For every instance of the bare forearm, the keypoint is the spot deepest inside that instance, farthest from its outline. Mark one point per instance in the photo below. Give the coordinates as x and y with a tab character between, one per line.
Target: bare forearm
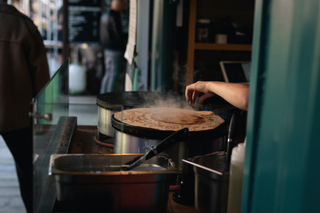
235	94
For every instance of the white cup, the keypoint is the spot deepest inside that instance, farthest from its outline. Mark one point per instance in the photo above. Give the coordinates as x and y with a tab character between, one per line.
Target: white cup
221	39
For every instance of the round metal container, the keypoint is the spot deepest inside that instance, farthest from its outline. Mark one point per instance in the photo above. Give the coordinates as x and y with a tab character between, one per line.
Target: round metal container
132	139
109	103
104	122
211	182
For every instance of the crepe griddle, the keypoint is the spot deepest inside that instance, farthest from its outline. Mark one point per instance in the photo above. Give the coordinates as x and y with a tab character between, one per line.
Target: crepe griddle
156	134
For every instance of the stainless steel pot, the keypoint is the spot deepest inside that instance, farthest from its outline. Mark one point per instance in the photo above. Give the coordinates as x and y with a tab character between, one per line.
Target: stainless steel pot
104	123
98	180
211	182
109	103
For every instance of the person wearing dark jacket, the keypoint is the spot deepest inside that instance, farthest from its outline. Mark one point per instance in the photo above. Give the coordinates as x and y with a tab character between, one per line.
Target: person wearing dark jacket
24	72
112	39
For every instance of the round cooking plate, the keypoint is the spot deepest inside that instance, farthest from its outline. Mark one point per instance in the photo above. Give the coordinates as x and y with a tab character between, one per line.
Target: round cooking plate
148	129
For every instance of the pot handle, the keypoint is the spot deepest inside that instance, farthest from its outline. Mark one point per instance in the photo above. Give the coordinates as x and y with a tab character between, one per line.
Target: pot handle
166	143
170	140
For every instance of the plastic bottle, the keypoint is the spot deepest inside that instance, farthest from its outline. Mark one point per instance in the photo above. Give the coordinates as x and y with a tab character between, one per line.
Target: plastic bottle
77	75
77	78
235	179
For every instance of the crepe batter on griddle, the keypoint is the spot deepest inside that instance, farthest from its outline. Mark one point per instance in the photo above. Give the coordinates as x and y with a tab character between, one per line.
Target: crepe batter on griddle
169	119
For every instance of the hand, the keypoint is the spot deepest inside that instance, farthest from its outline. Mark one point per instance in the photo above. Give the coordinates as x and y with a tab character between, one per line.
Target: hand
234	93
193	90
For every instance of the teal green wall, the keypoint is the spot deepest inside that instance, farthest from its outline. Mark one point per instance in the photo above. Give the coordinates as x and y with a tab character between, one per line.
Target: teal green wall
164	21
282	171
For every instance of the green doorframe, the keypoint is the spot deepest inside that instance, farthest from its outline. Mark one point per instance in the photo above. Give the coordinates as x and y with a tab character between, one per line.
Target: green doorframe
282	172
164	20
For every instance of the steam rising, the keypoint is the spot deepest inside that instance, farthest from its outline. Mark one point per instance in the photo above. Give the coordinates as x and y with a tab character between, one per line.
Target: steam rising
169	100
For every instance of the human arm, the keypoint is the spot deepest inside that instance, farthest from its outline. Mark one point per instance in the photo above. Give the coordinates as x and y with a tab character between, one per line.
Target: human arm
234	93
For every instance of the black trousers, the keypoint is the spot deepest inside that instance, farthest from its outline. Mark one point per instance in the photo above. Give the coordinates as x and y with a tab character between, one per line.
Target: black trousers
20	144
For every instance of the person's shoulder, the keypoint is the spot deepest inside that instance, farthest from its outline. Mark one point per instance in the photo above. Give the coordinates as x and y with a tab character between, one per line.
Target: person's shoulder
20	19
11	10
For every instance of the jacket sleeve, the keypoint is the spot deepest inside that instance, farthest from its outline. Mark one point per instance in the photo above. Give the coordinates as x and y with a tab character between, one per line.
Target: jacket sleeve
111	31
39	63
116	25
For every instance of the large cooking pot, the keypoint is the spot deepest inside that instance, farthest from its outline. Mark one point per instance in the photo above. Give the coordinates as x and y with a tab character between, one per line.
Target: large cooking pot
211	182
109	103
134	139
97	183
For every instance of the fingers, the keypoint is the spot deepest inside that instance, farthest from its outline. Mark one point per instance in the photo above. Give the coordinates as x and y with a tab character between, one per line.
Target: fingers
192	92
194	97
188	94
191	95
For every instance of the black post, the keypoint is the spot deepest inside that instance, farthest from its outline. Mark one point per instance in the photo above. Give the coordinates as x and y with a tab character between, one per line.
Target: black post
65	31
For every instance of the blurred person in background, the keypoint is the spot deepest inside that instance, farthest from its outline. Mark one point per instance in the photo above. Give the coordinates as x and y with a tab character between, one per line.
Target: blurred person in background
113	41
24	72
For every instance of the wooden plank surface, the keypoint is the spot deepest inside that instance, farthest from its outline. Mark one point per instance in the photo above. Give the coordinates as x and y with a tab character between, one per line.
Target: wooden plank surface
191	41
226	47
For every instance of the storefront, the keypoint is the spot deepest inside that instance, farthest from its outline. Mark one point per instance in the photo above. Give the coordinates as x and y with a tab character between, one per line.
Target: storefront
280	169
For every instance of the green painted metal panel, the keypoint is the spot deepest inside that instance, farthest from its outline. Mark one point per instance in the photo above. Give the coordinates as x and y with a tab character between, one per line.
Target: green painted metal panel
164	15
282	169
